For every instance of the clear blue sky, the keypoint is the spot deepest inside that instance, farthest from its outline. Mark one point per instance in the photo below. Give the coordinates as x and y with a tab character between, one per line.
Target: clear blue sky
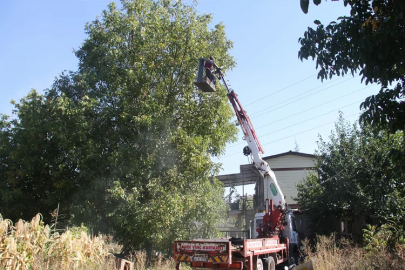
37	39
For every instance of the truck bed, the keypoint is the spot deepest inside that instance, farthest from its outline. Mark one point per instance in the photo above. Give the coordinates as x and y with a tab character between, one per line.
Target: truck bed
222	254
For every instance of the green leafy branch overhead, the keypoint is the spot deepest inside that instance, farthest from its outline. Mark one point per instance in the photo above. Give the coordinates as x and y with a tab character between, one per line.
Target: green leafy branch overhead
370	42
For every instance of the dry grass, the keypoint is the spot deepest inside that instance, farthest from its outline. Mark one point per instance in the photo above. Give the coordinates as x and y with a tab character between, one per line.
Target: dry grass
31	245
159	263
328	253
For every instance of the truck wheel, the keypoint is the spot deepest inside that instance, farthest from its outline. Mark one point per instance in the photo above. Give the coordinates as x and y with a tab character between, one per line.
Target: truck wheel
270	264
259	264
178	266
294	254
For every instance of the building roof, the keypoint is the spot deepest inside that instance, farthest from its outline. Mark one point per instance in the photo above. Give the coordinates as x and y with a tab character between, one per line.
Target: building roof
248	173
290	153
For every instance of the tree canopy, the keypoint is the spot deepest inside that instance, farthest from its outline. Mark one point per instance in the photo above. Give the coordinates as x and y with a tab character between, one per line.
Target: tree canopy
358	180
371	41
124	144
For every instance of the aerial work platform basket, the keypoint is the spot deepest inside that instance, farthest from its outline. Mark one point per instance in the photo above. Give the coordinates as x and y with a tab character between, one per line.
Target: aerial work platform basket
203	82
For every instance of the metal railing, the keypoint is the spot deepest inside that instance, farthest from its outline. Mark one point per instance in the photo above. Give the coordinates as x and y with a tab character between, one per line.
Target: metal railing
236	234
242	205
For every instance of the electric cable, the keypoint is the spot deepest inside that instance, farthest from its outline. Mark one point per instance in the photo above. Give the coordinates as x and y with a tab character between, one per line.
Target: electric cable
307	120
271	110
294	134
280	90
286	185
315	107
310	90
233	145
308	130
331	178
356	102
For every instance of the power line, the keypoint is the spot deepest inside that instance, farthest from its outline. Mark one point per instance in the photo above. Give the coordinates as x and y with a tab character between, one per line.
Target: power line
281	183
337	79
331	178
306	111
294	134
303	121
281	90
309	119
351	93
308	130
300	98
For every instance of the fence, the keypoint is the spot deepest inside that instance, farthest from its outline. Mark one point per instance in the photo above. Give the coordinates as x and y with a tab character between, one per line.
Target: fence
236	234
242	205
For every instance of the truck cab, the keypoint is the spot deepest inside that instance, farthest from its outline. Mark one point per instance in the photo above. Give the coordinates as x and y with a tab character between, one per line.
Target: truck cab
290	232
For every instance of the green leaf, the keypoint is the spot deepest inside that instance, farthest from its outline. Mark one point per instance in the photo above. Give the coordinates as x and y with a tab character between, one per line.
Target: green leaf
375	58
304	5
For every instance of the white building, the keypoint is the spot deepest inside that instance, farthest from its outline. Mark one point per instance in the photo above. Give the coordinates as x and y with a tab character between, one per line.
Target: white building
289	167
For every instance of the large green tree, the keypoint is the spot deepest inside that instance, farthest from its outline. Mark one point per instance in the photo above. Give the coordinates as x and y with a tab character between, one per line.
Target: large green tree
358	179
371	42
128	133
38	163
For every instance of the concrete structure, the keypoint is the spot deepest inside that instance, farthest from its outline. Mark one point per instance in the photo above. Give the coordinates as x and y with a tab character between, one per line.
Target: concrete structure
289	167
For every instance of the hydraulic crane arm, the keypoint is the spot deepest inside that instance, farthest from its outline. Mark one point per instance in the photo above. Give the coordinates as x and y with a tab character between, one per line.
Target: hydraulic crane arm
271	187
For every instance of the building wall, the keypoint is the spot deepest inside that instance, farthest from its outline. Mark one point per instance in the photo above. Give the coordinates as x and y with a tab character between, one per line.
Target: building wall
290	161
290	170
287	181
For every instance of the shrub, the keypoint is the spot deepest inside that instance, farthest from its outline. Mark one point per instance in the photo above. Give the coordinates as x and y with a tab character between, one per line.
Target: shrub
32	245
328	252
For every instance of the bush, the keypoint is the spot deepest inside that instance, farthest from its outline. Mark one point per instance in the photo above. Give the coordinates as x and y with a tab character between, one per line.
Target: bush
32	245
328	252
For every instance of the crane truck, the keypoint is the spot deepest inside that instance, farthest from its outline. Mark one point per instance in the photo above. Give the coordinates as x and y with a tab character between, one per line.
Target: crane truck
275	238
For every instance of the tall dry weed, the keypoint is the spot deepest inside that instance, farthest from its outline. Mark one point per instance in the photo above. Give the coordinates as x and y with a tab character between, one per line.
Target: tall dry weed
158	263
31	245
329	253
164	264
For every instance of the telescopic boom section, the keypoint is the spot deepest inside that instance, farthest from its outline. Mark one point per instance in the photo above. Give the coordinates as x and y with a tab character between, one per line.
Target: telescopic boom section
244	120
271	188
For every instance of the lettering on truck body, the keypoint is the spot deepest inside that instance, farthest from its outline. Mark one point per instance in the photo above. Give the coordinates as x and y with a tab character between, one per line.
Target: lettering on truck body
252	244
201	247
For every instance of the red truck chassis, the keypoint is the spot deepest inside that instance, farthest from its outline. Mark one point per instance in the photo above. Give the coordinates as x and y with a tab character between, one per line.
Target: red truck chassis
222	254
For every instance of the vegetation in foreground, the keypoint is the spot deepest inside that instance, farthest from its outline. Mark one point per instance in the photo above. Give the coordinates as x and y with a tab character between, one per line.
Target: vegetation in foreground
360	179
361	170
329	253
34	245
